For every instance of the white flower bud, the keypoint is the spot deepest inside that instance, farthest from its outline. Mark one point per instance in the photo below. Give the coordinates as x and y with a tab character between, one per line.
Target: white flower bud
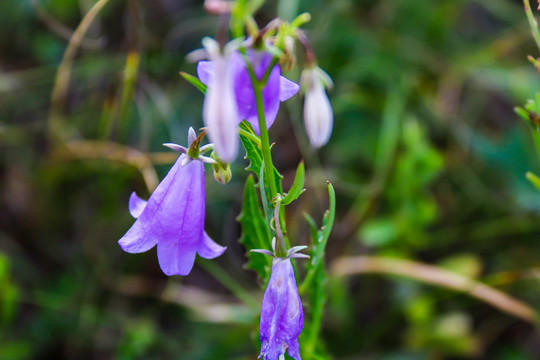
318	115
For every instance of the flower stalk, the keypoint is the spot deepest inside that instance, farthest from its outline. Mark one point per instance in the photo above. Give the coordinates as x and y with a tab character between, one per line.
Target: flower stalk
265	141
532	22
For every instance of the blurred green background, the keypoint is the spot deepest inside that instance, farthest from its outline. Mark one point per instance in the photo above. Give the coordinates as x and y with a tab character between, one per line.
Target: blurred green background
427	157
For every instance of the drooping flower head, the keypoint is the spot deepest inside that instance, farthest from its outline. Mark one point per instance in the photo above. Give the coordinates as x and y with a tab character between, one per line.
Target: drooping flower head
220	112
282	318
277	88
173	216
318	115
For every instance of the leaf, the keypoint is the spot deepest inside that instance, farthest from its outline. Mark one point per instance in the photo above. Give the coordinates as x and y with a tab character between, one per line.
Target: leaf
194	81
297	187
319	242
255	233
535	180
254	155
524	114
311	344
315	282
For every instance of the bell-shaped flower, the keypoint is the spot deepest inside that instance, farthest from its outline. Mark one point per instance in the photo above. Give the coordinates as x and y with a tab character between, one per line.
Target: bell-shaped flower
318	115
282	318
220	113
277	87
173	217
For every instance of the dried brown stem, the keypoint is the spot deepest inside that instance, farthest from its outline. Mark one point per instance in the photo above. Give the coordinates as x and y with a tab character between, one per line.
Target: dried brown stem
63	74
95	150
430	274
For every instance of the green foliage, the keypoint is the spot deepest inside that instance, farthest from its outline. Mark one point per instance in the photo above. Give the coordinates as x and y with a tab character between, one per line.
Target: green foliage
254	154
253	151
417	165
9	293
297	187
194	81
535	180
319	239
255	234
139	335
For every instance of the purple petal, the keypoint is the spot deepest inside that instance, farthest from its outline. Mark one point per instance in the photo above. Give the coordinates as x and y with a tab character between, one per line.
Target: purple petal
220	113
245	96
181	219
173	216
282	318
287	88
142	235
136	205
175	259
208	249
205	70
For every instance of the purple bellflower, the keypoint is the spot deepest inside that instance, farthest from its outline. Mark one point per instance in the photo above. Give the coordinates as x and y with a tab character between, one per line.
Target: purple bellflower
173	217
277	88
282	318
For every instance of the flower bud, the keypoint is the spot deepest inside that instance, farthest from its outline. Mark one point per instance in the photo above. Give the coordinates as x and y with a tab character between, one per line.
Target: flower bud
222	172
318	115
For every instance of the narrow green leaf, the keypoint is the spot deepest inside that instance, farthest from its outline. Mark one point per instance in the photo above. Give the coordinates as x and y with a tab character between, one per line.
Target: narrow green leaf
194	81
312	226
255	233
311	344
535	180
524	114
297	187
319	242
254	153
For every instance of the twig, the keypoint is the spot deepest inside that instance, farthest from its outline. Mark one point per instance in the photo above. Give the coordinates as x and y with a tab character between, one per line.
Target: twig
63	74
60	29
94	149
436	276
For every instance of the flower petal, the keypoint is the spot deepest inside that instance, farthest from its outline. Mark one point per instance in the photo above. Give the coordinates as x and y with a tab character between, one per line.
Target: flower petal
181	220
136	205
318	115
294	349
287	88
282	318
209	249
245	96
175	259
142	236
220	114
205	70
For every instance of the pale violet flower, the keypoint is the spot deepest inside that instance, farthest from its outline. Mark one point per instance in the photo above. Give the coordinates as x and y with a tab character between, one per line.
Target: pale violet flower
220	113
277	88
318	115
282	317
173	216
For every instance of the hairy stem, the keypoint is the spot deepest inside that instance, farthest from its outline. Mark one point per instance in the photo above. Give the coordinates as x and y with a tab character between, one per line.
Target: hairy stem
532	22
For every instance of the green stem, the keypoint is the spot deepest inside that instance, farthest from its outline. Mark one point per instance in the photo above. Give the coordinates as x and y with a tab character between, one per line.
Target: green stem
230	283
536	138
249	135
532	22
264	79
265	142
